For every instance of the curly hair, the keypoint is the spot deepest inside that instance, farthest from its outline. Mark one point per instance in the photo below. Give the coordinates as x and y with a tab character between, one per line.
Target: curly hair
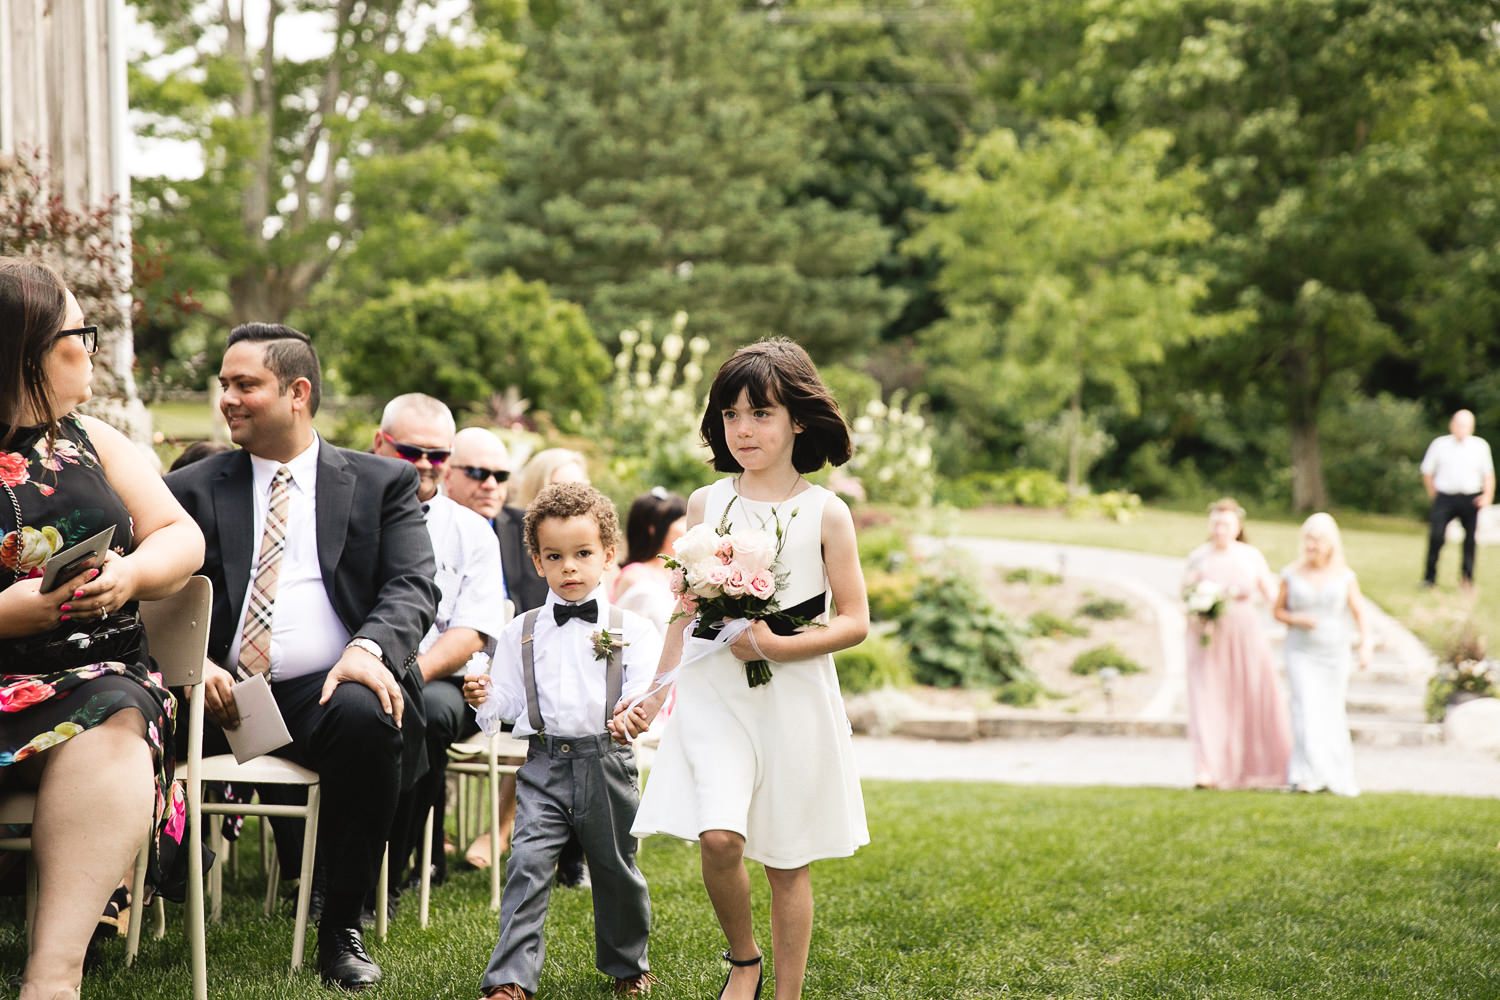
565	500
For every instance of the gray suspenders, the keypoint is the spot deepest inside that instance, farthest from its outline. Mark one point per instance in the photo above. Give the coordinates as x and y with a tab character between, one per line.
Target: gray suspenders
614	674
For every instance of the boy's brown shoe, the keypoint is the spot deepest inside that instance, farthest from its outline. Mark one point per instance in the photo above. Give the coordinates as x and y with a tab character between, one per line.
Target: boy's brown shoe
635	986
509	991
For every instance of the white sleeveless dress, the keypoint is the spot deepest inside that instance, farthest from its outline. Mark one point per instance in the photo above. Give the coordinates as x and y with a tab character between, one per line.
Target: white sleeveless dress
774	763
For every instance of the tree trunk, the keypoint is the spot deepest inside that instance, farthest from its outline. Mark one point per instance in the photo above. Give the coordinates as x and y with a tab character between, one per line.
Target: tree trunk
1075	434
1304	403
1308	490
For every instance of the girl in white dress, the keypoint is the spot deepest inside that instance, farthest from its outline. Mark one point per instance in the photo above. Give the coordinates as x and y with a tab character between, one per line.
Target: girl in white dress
1319	596
766	772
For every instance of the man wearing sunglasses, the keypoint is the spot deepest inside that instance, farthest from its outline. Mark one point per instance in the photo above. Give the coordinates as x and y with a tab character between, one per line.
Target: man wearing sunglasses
478	476
418	429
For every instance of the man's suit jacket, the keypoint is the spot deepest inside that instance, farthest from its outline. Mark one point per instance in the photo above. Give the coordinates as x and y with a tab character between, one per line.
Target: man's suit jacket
373	549
527	587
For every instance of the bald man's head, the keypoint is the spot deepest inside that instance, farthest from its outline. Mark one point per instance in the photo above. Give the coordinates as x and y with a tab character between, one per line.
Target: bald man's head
1462	424
478	452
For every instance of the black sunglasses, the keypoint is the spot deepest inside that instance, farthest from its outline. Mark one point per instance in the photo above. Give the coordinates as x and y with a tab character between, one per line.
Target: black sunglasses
90	335
479	473
413	453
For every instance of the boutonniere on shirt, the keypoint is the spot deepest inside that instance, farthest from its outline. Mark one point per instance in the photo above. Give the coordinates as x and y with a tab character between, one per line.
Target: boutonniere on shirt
605	640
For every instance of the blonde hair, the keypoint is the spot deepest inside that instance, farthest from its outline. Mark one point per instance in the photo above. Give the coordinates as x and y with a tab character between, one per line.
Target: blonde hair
1321	526
537	474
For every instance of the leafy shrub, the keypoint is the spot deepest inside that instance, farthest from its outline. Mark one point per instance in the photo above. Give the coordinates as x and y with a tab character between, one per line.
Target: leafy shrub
878	662
1104	609
1032	575
653	408
1477	677
957	637
1030	488
893	452
1022	693
1045	623
883	548
461	340
1107	655
1116	505
1464	670
889	594
1014	487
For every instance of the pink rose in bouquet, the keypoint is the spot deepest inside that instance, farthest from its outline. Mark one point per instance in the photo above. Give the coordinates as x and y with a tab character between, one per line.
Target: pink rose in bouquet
728	576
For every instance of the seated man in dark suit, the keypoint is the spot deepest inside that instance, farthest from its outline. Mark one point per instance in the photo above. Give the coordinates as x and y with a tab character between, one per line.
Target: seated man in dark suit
323	579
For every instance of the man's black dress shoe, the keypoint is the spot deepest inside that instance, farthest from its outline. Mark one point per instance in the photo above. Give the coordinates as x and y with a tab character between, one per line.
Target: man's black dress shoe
343	961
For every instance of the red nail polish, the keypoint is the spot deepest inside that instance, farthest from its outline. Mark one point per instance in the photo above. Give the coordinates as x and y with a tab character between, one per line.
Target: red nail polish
66	607
77	593
64	618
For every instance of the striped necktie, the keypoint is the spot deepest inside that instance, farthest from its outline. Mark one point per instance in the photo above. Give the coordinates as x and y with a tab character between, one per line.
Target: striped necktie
255	640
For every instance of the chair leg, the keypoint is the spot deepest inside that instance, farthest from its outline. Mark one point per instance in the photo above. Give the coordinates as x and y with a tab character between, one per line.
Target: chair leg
265	845
494	790
380	892
304	887
216	874
138	900
425	892
272	877
461	812
194	917
159	907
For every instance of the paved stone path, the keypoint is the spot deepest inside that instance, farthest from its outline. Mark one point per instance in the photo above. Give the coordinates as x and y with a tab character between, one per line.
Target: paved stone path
1388	695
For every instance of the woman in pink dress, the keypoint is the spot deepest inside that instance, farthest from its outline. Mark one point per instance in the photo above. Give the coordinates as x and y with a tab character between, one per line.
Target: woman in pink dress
1237	717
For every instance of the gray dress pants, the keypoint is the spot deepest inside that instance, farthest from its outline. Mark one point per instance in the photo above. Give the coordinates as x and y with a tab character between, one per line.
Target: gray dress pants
586	784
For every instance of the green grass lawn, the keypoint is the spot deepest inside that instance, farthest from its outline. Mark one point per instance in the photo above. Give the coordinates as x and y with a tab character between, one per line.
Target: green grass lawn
1387	553
983	891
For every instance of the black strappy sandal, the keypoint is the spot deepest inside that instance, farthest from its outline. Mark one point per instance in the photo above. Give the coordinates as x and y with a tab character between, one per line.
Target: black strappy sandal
760	980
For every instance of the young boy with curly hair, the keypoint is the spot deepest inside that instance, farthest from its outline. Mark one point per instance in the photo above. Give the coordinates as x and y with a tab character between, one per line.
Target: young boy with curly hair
560	672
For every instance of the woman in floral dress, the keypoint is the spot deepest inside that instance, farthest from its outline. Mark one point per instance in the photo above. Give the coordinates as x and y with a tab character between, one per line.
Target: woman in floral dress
101	771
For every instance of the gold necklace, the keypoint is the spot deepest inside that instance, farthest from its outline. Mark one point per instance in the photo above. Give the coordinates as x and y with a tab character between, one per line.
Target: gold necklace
795	482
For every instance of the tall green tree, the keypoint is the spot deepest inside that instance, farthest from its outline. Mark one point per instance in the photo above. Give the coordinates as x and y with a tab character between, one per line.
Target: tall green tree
901	85
653	156
302	143
1282	103
1066	267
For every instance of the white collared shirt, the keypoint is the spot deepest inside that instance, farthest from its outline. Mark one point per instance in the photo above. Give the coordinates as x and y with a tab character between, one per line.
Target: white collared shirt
306	634
1458	466
569	679
469	578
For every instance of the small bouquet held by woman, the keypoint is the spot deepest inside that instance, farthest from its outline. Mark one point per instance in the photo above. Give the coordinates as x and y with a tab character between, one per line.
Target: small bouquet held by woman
1206	600
722	575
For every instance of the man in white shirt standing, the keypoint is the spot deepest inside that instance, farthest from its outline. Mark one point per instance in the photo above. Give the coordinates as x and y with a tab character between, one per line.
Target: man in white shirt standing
417	428
1458	472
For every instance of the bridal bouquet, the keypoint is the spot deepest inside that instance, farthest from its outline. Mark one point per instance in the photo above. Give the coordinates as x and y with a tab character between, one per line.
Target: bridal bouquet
1206	600
728	575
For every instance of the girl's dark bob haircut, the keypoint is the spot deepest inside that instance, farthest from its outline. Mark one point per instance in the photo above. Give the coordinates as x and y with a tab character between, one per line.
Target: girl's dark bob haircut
779	371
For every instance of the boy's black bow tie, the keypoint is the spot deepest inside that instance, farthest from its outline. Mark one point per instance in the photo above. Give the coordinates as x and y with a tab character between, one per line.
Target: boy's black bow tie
588	611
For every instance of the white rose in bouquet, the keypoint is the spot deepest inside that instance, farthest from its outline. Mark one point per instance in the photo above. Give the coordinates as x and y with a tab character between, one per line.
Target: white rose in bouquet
697	544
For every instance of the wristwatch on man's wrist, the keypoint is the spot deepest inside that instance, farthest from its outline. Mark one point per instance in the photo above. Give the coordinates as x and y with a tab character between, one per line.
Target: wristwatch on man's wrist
368	645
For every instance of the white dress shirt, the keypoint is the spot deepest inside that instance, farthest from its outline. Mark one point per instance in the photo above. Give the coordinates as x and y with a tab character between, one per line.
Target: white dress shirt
306	634
1458	466
569	679
469	578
